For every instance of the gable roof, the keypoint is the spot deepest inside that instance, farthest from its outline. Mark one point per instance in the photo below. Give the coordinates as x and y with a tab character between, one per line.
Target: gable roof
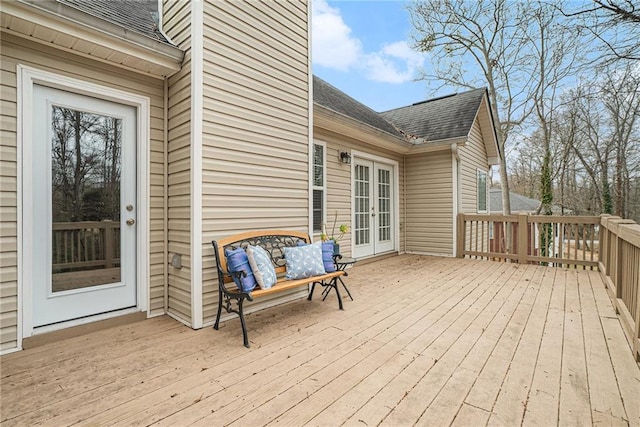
440	118
334	99
136	15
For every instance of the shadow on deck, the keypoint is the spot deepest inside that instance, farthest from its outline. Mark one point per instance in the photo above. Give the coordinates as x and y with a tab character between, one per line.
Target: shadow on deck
432	341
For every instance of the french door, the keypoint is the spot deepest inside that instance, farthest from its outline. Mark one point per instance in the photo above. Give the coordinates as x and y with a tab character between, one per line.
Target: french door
374	201
80	193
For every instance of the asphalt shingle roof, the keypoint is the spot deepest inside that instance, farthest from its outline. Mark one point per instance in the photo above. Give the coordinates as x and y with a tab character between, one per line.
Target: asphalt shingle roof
334	99
135	15
440	118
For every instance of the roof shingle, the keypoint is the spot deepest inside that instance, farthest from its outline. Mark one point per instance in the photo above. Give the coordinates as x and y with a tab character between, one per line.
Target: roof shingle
334	99
441	118
135	15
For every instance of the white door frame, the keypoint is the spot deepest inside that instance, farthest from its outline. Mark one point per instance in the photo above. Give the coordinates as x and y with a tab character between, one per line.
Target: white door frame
396	192
27	77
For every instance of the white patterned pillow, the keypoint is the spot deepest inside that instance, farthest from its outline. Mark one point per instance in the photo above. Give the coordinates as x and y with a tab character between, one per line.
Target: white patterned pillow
261	265
304	261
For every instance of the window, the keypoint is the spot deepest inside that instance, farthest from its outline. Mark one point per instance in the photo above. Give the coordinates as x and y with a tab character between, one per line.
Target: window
318	186
481	196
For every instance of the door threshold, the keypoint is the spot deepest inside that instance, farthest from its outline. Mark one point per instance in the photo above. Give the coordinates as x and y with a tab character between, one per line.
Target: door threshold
74	328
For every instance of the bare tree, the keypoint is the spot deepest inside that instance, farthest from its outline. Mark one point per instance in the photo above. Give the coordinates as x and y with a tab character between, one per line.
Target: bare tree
463	36
614	24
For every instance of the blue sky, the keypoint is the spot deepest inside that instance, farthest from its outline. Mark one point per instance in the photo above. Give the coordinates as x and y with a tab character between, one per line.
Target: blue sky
362	47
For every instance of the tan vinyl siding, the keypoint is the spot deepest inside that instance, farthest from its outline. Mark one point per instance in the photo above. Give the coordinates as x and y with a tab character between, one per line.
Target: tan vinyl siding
429	203
255	154
339	182
473	156
8	208
177	25
19	51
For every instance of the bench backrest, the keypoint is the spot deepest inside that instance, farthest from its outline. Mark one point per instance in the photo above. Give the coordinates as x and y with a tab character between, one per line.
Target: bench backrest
273	241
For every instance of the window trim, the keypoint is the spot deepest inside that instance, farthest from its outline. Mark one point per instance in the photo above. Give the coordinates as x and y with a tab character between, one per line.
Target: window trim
322	188
486	191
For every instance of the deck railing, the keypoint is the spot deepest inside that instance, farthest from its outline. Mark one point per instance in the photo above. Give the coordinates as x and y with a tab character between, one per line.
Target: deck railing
609	244
85	245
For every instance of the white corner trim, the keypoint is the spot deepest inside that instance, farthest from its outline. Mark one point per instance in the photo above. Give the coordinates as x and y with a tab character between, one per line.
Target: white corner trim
310	130
455	175
27	77
197	81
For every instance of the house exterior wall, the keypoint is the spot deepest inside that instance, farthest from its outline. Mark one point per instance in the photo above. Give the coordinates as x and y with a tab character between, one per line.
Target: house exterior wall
177	25
339	183
20	51
429	203
255	124
473	156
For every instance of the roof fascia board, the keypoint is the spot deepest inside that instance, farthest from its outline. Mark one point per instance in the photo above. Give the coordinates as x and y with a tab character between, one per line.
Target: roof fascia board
494	135
75	23
439	145
333	121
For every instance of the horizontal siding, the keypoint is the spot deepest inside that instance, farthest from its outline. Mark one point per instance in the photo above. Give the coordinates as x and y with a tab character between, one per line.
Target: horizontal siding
255	171
429	203
177	25
19	51
473	156
339	180
8	208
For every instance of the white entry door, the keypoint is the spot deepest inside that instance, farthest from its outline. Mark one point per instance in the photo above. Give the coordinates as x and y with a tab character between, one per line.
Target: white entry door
79	181
374	201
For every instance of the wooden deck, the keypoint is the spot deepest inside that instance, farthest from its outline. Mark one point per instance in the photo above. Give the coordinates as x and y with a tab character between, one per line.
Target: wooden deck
427	341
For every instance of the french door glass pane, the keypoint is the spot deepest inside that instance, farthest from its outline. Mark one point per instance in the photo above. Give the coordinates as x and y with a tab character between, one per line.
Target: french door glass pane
85	190
362	225
384	205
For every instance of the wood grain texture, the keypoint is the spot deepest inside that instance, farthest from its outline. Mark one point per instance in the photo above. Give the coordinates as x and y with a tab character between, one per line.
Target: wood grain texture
426	341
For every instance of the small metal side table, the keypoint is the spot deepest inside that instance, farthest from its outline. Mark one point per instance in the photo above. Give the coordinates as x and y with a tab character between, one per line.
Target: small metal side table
341	264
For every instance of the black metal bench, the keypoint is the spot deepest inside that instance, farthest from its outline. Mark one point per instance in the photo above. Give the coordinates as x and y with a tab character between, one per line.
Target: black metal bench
274	242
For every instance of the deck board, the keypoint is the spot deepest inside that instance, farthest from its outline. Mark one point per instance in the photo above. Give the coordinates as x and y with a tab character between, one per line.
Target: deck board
427	341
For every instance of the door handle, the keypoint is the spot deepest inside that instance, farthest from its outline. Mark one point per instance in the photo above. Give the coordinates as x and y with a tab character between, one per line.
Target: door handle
131	221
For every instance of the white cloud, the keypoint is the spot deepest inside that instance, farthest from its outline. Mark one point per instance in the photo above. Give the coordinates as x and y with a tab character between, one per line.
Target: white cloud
335	47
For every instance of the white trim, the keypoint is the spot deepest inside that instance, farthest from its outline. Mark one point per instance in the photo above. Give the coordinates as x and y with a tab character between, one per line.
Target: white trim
486	187
324	183
21	98
310	115
197	83
455	177
26	77
396	194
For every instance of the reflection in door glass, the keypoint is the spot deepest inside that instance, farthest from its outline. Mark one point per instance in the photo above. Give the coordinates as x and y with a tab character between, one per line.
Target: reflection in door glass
384	205
362	204
85	191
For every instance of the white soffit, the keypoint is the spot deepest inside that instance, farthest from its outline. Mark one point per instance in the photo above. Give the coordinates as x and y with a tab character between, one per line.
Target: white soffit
69	29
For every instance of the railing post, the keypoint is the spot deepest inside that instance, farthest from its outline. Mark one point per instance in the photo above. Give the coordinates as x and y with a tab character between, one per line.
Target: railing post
108	243
461	236
523	238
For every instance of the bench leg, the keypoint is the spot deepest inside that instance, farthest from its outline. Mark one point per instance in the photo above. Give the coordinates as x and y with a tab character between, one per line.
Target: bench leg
313	286
217	324
335	285
243	323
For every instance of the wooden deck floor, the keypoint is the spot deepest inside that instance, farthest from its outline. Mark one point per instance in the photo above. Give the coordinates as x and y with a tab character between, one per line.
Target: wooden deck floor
427	341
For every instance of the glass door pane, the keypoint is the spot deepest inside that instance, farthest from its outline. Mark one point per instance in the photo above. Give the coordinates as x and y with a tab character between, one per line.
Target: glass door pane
362	202
384	205
86	163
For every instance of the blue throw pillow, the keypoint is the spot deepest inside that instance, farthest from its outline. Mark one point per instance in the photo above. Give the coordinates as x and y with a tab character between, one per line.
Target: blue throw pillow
262	267
237	261
304	261
327	257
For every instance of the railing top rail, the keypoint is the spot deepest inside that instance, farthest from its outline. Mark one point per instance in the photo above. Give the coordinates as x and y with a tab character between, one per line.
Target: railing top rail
81	225
490	217
559	219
